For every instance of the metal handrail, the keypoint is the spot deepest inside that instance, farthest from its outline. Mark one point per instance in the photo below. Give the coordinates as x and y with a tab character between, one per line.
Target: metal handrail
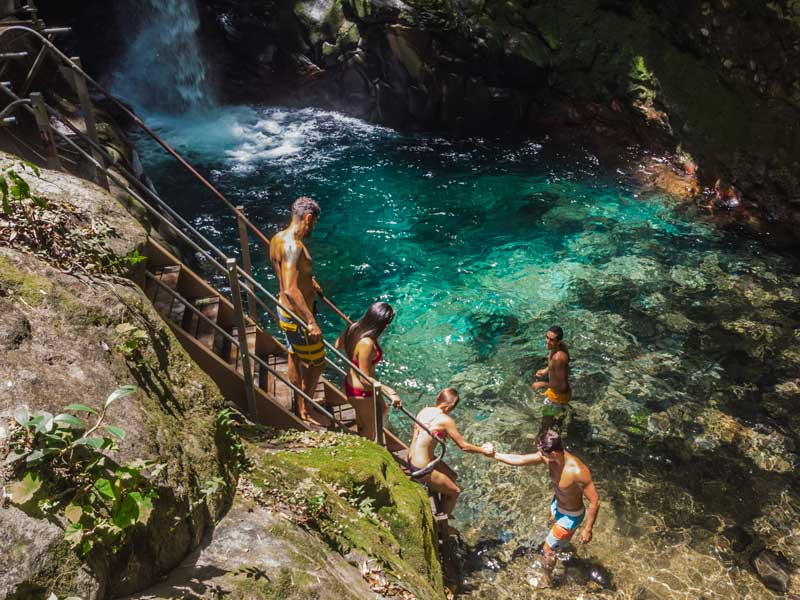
130	177
172	152
235	342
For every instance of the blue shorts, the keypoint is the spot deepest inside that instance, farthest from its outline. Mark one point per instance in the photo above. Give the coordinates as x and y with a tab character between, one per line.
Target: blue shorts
564	526
297	341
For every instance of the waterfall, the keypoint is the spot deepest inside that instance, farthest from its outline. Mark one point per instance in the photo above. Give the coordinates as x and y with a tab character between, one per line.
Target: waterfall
163	69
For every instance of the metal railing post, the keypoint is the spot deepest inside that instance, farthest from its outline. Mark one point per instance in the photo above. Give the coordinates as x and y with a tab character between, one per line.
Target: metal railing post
377	395
247	265
79	82
244	350
43	123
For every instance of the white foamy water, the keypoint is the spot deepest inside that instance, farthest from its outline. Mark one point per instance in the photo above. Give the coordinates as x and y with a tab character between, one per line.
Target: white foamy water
164	69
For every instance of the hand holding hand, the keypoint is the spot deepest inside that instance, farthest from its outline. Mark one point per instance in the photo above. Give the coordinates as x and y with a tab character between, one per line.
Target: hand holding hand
488	449
541	372
586	536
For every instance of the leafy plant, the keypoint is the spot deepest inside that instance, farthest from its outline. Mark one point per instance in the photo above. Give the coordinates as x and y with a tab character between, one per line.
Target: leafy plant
55	230
133	340
62	463
226	432
133	257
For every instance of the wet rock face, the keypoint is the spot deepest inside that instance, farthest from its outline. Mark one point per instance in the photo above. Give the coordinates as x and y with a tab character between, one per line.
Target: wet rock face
656	74
717	81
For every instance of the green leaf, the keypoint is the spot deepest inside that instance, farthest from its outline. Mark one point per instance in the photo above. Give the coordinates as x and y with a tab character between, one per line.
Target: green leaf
116	432
86	547
12	458
127	513
32	167
73	512
21	415
23	490
81	408
144	505
20	190
4	192
120	392
70	420
74	533
93	442
55	440
39	201
35	456
105	488
134	258
43	422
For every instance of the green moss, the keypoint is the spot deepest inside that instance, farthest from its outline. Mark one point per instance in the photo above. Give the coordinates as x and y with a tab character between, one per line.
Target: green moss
288	585
328	480
27	286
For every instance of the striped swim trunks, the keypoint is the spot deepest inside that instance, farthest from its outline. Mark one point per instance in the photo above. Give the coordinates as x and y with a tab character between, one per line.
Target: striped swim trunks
297	341
565	523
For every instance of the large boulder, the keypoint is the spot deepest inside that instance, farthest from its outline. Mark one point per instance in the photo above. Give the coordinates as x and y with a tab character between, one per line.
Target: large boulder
320	515
61	335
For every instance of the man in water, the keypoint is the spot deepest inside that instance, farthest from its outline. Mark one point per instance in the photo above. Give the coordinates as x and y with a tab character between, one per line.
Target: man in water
292	264
558	392
571	481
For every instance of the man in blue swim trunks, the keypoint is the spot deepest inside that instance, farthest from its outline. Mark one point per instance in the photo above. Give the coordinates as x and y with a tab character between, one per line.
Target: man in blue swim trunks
298	289
571	480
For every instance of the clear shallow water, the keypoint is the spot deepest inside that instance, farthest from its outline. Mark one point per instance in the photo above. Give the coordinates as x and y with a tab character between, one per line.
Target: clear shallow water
684	340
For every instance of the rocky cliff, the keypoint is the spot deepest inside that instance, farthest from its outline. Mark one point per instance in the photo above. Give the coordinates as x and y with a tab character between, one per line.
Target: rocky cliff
712	86
715	86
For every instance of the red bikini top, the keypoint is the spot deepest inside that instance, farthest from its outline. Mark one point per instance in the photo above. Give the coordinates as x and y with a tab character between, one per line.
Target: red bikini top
378	356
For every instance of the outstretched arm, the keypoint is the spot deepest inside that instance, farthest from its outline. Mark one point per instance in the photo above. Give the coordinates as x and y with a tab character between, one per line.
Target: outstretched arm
519	460
594	506
455	435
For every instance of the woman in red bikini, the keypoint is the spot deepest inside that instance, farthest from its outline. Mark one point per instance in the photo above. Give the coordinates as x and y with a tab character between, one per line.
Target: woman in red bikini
360	343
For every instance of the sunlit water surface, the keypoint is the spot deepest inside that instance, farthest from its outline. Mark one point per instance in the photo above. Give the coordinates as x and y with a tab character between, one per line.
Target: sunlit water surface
684	339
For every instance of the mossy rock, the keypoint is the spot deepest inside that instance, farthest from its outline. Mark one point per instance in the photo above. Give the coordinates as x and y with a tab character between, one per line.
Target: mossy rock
371	508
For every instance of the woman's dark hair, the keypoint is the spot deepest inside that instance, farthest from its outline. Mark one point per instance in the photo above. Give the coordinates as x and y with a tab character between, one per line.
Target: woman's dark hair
549	442
371	325
558	331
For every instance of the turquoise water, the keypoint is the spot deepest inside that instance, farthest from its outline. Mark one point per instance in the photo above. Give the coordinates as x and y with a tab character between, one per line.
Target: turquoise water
684	339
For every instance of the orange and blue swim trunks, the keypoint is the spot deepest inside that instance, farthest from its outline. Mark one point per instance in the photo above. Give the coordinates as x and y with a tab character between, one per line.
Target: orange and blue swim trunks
565	524
297	341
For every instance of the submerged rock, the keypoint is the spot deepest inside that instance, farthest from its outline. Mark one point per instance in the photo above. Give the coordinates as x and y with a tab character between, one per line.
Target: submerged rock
771	570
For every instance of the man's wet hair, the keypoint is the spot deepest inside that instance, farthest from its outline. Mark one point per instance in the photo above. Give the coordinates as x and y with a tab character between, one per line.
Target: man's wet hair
305	206
550	441
448	396
558	331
